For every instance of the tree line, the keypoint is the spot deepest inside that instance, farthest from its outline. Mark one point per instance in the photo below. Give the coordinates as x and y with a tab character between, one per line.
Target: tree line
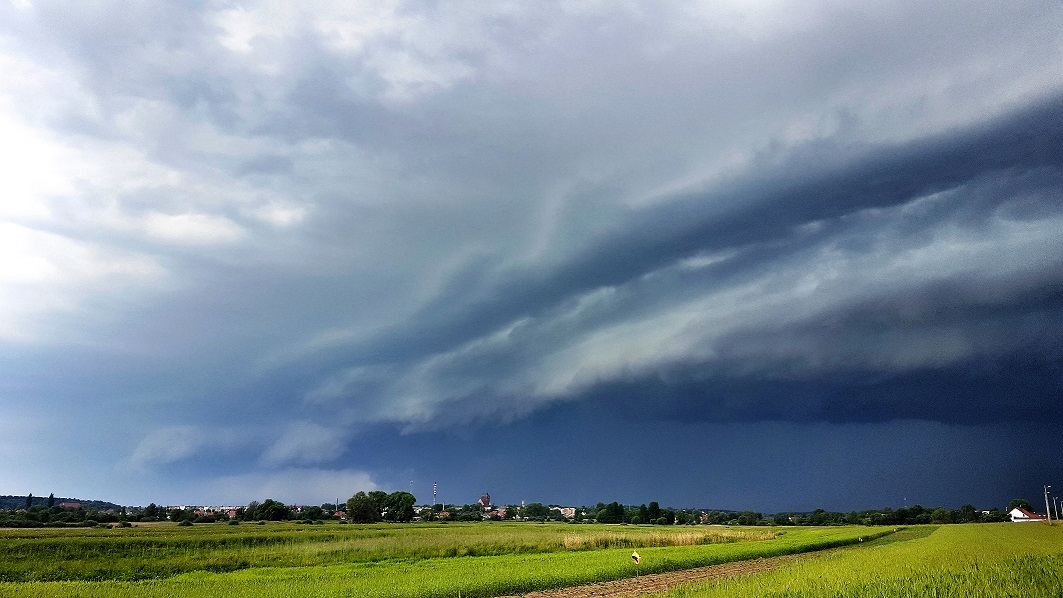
400	507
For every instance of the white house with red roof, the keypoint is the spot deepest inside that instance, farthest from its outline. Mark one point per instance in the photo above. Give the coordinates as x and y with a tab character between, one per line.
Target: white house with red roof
1021	514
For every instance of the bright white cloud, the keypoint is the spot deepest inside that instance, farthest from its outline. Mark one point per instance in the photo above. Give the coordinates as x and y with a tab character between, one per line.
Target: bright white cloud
305	443
191	228
43	273
170	445
30	163
300	486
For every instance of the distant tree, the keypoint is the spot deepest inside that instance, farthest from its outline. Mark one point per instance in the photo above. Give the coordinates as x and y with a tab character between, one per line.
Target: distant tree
360	509
51	500
380	501
400	506
967	514
749	518
653	512
272	510
536	510
178	515
942	515
994	516
644	514
1021	503
311	513
611	513
250	511
29	500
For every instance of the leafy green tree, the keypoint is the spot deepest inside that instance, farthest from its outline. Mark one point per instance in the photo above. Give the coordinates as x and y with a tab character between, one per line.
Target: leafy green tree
536	511
653	512
272	510
749	518
250	512
178	515
29	501
311	513
611	513
994	516
360	509
1021	503
942	515
51	500
380	501
400	506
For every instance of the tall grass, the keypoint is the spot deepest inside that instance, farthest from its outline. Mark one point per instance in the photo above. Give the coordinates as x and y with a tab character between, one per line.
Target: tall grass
599	540
157	552
469	576
983	560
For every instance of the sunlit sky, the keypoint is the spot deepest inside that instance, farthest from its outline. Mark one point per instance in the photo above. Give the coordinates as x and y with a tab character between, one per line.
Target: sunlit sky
769	255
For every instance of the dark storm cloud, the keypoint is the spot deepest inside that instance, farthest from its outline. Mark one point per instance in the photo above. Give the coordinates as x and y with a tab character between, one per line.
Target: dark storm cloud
250	241
887	352
762	207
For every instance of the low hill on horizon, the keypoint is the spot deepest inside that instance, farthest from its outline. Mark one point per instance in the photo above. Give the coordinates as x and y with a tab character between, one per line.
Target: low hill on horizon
10	502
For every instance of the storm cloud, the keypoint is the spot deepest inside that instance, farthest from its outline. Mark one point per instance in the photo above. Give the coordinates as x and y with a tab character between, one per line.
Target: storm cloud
256	248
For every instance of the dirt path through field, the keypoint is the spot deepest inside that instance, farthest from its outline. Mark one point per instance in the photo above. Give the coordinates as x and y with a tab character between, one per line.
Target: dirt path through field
658	582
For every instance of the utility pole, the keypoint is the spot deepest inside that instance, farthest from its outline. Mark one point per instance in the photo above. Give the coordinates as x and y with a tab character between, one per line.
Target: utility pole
1055	503
1048	511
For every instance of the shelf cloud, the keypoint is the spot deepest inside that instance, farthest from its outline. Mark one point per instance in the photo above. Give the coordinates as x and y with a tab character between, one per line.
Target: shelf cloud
267	244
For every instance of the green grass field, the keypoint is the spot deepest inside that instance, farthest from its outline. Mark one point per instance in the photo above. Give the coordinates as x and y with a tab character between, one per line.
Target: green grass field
1012	560
382	560
432	560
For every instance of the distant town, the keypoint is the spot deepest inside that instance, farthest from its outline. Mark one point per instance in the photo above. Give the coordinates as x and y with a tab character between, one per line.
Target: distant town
401	507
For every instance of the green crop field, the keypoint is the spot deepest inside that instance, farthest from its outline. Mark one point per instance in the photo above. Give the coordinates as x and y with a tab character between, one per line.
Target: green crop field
1013	560
382	560
432	560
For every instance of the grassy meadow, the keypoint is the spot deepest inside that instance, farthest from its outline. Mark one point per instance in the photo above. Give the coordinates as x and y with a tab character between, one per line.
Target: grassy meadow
998	560
287	559
492	559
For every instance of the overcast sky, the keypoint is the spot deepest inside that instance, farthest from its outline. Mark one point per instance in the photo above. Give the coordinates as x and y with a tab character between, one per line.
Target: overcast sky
775	255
